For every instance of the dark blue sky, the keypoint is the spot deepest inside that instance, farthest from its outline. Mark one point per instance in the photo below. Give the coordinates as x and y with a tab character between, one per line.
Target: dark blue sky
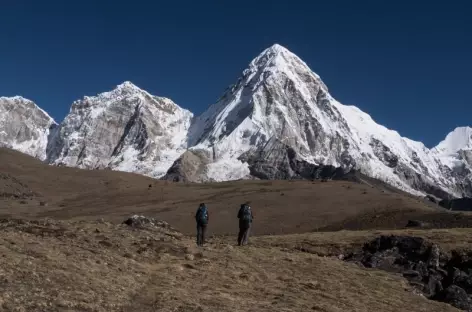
406	63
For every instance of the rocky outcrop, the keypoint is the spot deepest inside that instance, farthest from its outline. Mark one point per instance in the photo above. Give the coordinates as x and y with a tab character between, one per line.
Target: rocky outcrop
440	276
189	167
278	161
138	221
24	126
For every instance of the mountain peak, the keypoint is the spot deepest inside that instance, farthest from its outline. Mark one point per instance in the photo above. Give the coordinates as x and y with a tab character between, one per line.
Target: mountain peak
459	138
15	98
128	85
276	54
27	103
277	48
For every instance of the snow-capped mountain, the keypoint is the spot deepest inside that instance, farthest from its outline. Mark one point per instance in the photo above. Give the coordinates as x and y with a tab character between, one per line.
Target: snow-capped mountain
455	155
278	121
280	106
24	126
126	129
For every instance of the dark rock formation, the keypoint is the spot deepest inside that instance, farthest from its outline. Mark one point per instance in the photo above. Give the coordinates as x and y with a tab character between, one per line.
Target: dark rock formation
438	275
277	161
417	224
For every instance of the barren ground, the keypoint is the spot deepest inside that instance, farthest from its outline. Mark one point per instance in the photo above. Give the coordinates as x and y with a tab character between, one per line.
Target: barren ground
64	257
98	266
280	207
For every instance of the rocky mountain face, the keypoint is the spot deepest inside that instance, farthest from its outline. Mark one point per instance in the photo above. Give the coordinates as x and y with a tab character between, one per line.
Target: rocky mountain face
24	126
126	129
278	121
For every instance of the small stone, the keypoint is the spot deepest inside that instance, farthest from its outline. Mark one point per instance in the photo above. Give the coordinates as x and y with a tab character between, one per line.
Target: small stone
190	257
411	274
128	255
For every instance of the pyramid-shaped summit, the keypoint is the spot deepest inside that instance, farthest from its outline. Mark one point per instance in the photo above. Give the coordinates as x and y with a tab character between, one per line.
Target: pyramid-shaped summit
279	121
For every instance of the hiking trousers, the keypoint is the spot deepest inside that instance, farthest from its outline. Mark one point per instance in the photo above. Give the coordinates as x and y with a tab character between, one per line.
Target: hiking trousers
201	231
243	236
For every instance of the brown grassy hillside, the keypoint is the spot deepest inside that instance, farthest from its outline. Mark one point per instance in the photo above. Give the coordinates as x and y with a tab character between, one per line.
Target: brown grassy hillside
279	206
98	266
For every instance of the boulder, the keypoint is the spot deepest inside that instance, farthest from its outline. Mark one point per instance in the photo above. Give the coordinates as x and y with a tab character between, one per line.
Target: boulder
416	224
142	221
455	296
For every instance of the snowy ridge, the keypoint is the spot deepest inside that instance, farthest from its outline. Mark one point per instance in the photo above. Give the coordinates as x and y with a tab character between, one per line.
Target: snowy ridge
125	129
24	126
459	139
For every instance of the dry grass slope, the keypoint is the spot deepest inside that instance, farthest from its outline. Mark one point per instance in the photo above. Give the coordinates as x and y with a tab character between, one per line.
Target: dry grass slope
281	207
98	266
73	261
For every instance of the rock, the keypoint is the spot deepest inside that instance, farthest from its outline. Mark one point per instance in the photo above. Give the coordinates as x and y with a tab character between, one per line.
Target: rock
416	223
142	221
455	296
433	287
43	203
189	257
434	254
128	255
436	274
188	167
463	280
431	199
411	274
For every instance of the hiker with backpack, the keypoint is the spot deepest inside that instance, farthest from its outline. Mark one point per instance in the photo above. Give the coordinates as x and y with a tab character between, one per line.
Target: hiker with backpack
202	218
245	217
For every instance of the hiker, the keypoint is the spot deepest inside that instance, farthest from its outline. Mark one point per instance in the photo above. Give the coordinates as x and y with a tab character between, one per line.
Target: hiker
245	217
202	218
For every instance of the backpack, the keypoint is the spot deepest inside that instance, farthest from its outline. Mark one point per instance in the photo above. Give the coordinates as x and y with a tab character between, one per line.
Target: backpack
202	215
246	213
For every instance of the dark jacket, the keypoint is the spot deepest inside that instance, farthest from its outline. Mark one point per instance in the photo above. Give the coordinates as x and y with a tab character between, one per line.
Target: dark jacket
240	214
198	213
